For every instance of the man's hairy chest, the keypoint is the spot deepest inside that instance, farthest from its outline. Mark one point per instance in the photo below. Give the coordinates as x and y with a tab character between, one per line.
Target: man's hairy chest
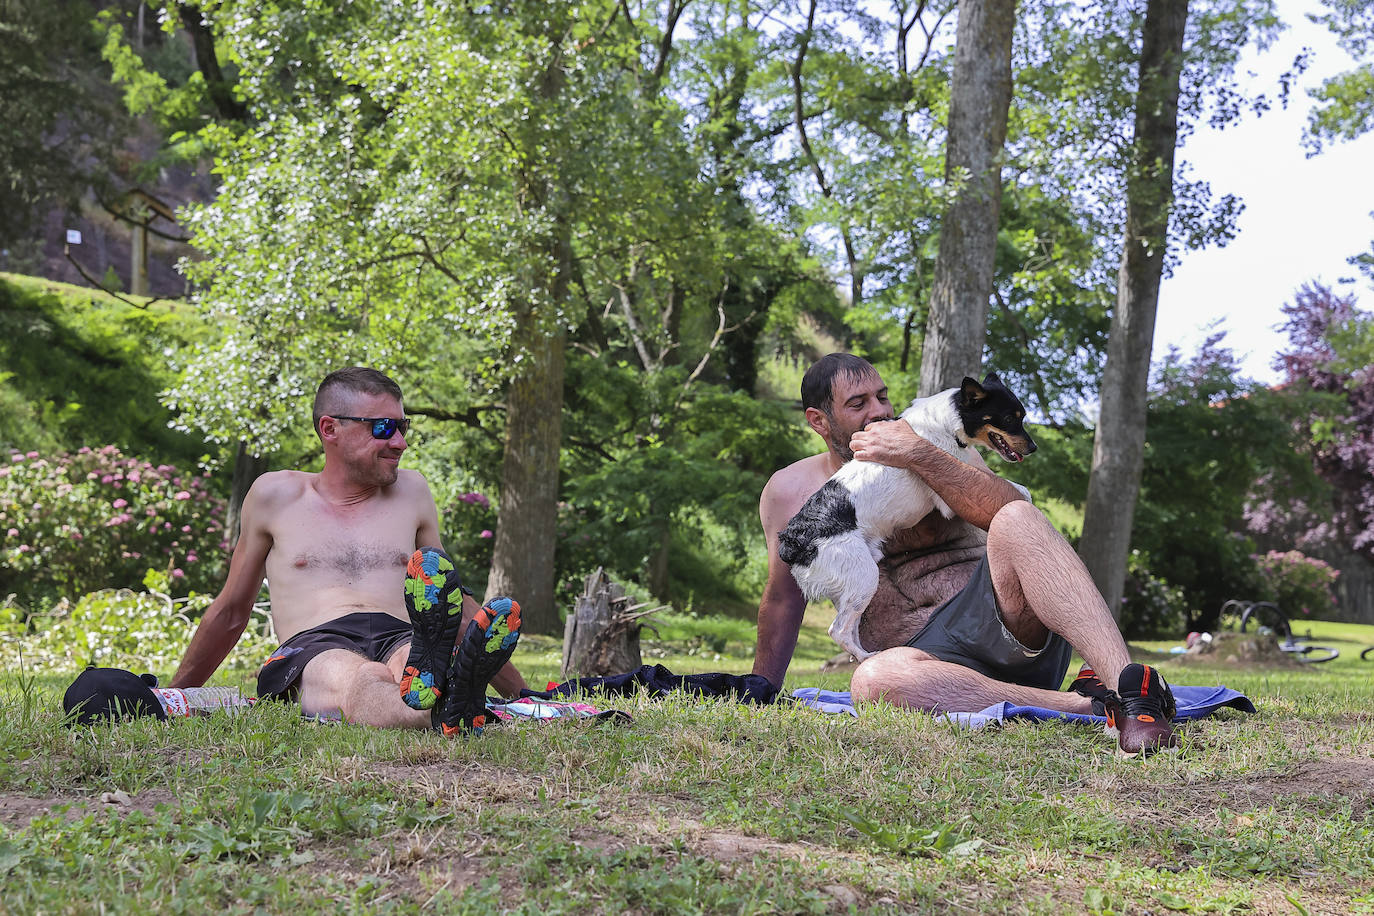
348	545
348	559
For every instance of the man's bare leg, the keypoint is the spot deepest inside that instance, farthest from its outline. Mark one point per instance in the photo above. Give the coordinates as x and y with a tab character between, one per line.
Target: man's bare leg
361	691
368	693
1041	583
912	678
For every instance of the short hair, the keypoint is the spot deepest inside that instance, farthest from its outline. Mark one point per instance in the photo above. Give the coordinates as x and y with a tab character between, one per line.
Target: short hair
353	380
820	378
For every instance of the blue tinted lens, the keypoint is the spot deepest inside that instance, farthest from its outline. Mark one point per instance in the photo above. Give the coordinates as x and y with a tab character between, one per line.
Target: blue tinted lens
385	427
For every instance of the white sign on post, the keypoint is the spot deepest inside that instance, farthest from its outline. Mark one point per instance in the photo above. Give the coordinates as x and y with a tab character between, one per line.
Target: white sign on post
73	236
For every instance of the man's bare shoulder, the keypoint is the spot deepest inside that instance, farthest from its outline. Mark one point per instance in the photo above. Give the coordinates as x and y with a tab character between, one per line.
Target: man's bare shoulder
278	487
794	484
412	485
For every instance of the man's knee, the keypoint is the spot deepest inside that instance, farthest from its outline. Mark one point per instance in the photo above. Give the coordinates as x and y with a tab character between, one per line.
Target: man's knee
1015	518
865	685
889	675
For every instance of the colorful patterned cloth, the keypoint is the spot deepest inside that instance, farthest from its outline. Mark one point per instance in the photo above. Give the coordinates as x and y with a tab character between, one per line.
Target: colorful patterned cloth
536	709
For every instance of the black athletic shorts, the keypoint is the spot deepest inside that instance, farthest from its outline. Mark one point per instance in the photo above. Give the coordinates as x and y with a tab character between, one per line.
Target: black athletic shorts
968	630
373	635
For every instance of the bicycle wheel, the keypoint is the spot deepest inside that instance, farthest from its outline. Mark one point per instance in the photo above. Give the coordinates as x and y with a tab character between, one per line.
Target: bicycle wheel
1266	616
1314	655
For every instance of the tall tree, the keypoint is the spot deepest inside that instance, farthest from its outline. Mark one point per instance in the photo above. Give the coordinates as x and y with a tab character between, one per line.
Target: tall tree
980	93
405	196
1331	350
1119	442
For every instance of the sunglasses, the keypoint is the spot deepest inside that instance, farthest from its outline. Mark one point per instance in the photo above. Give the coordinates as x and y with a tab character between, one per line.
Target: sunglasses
383	427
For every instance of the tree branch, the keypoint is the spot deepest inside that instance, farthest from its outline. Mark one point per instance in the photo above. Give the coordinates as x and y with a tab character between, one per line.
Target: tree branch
67	252
104	205
207	60
469	417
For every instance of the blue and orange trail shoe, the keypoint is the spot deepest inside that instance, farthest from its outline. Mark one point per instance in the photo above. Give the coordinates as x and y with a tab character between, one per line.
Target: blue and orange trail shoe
484	649
1089	685
434	600
1140	712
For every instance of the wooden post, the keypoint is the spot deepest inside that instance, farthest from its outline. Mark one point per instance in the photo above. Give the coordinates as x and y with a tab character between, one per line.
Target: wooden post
138	249
601	635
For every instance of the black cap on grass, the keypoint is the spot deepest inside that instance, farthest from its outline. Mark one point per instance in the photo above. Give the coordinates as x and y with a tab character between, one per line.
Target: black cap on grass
111	693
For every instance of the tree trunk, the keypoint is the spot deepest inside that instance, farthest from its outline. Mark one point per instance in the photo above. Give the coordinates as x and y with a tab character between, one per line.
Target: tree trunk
657	571
522	563
1119	443
601	636
247	468
980	94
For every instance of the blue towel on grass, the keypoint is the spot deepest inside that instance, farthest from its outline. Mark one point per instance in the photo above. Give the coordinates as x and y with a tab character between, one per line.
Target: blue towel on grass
1193	703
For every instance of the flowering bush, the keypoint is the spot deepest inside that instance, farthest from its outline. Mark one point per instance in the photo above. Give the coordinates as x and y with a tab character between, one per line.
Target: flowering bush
144	630
76	523
1300	585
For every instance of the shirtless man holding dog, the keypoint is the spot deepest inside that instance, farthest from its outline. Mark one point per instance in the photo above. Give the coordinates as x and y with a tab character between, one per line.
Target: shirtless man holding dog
374	622
970	611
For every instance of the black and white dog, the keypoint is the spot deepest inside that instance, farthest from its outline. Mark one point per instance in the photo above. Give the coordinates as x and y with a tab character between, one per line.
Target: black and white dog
834	543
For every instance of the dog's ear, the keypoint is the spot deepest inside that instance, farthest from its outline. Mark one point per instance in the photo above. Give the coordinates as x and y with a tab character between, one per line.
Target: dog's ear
970	392
991	380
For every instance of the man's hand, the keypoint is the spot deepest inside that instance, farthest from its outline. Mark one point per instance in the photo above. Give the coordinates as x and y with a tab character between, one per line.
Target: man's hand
893	443
967	487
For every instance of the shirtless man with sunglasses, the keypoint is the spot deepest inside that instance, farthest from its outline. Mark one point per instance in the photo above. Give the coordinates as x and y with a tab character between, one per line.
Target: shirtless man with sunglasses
374	622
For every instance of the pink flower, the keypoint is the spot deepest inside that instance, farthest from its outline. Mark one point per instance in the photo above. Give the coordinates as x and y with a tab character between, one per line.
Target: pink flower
191	557
32	454
15	456
181	494
185	529
178	573
120	503
24	548
106	479
13	532
135	477
485	533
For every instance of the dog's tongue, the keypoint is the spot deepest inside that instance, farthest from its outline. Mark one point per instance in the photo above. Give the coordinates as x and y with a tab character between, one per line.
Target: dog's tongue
1003	449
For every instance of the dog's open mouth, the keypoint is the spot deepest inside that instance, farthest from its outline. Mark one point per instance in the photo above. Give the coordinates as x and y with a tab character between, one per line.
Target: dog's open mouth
1003	449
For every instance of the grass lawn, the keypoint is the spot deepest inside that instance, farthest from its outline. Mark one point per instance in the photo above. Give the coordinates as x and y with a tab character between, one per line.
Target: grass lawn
700	806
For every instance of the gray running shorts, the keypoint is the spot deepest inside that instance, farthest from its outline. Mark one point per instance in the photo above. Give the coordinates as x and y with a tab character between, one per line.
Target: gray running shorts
968	630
